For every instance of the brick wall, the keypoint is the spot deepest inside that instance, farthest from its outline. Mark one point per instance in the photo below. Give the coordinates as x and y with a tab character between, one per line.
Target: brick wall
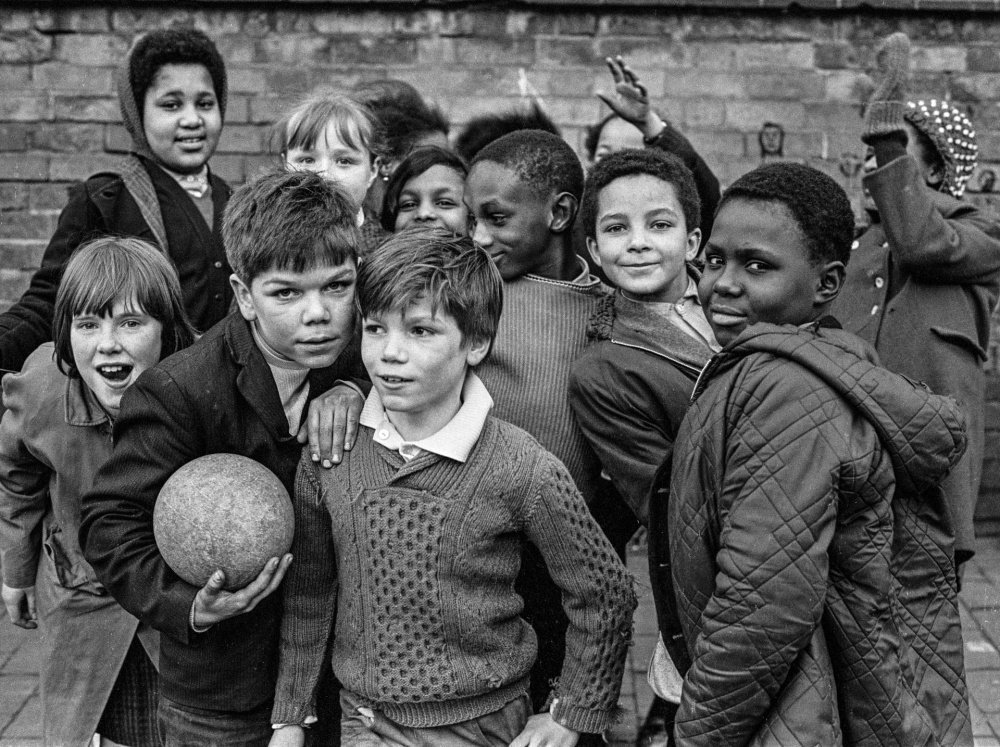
718	74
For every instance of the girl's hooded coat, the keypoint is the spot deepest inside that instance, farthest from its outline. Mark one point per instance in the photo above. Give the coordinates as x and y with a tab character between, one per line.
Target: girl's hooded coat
141	200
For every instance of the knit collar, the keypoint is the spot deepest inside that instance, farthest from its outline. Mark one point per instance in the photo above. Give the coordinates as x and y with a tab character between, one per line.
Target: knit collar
583	279
453	441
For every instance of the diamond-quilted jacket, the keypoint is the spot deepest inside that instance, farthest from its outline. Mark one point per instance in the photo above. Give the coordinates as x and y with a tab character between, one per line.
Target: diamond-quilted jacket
811	563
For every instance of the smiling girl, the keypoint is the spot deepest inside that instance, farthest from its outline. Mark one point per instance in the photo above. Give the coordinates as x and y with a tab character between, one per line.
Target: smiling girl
118	311
339	138
172	91
426	190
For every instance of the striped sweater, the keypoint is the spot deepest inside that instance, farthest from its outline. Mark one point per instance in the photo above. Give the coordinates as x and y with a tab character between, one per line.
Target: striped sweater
542	331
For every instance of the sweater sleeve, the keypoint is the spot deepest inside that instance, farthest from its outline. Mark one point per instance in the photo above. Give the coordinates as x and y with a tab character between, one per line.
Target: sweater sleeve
155	434
28	323
962	248
309	593
24	489
598	597
783	457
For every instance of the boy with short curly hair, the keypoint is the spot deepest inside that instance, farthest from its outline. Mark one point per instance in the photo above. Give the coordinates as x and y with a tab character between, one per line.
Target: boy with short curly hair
808	541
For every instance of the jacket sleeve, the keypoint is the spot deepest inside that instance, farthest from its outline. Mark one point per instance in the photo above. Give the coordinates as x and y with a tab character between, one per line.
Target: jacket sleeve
309	594
622	422
673	141
156	432
777	518
28	323
597	595
961	248
24	490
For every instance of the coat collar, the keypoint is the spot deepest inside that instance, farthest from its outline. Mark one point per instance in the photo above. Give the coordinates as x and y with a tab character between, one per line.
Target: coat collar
82	407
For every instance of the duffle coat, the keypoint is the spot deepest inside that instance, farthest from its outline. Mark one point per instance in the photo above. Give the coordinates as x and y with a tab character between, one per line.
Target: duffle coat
53	438
921	285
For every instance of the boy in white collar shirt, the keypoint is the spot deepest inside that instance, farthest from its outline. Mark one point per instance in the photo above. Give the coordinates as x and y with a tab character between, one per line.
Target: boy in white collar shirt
415	540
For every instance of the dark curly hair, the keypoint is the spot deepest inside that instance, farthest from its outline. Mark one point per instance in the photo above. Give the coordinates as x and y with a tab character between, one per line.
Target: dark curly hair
660	164
482	130
543	161
819	205
405	116
175	47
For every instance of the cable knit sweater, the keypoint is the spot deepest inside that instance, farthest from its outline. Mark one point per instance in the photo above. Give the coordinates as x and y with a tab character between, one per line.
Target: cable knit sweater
419	560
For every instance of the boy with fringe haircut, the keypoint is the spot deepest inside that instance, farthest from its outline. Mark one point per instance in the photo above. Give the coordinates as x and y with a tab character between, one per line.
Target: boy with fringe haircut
243	388
415	540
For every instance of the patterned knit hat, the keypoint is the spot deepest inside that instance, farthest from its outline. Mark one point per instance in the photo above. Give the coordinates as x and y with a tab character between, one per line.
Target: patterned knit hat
952	134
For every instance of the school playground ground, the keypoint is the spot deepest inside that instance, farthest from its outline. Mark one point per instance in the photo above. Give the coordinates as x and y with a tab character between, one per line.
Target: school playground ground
21	715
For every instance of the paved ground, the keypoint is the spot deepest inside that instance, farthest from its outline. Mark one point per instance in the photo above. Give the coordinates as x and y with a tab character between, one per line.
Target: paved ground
20	707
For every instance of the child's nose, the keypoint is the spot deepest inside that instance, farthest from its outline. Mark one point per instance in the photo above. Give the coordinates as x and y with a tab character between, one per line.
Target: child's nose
108	341
190	116
392	349
426	212
480	235
638	240
316	309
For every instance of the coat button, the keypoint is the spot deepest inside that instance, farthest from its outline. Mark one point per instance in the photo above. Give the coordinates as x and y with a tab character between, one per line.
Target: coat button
874	309
879	282
855	244
218	265
885	244
218	296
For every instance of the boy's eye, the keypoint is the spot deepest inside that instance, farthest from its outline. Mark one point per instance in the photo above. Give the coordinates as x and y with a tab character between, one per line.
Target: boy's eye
421	331
756	265
285	293
371	328
713	260
613	228
497	219
338	286
660	225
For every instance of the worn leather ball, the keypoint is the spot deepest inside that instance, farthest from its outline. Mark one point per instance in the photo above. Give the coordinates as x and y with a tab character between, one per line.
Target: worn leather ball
222	511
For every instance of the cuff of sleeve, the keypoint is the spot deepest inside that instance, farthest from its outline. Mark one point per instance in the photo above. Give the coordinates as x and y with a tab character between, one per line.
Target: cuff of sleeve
579	718
289	714
194	627
883	118
351	384
306	723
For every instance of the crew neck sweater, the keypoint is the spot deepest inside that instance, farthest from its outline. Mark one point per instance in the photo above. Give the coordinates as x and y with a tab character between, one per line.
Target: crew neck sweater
428	628
542	331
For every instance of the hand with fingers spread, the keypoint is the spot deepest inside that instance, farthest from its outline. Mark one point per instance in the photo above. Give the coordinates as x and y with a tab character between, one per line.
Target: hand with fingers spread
20	604
213	604
631	99
331	424
544	731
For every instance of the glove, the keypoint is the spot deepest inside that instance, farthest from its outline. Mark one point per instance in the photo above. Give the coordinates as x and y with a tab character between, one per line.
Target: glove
891	76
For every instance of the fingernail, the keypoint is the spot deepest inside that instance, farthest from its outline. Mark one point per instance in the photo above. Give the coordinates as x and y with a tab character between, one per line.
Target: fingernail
348	445
327	463
315	457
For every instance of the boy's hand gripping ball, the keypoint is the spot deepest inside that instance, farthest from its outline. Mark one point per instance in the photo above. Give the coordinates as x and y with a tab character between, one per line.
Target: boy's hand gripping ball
222	511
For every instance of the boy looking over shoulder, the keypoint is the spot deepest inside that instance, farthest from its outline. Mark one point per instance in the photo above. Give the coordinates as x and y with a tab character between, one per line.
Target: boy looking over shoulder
242	388
415	539
523	192
807	527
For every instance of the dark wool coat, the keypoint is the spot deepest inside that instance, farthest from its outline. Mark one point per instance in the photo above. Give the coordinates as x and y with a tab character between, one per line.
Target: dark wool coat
218	396
102	206
921	285
811	560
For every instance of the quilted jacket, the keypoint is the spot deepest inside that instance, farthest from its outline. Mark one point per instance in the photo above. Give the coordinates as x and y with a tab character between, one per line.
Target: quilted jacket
812	564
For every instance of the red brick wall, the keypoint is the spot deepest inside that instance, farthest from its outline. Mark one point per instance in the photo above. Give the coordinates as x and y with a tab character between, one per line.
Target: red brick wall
716	73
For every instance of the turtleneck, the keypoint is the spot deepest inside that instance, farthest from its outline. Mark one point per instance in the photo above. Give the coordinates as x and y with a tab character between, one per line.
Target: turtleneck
291	378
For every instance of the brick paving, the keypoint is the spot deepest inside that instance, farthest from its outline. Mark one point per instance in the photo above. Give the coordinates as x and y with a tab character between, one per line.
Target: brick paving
21	715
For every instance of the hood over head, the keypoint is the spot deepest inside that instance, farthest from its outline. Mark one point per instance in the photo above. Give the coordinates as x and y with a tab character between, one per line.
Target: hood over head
148	53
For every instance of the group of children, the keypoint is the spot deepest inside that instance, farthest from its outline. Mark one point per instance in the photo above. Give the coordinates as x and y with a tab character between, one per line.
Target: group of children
464	480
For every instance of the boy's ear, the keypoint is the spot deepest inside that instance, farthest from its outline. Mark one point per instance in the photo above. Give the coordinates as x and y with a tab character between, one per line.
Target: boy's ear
477	352
693	244
563	211
831	280
592	249
243	298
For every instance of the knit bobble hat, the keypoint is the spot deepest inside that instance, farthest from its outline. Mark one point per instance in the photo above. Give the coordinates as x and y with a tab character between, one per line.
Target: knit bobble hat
953	136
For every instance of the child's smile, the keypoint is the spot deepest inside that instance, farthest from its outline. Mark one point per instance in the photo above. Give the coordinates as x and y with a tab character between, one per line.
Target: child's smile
181	117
